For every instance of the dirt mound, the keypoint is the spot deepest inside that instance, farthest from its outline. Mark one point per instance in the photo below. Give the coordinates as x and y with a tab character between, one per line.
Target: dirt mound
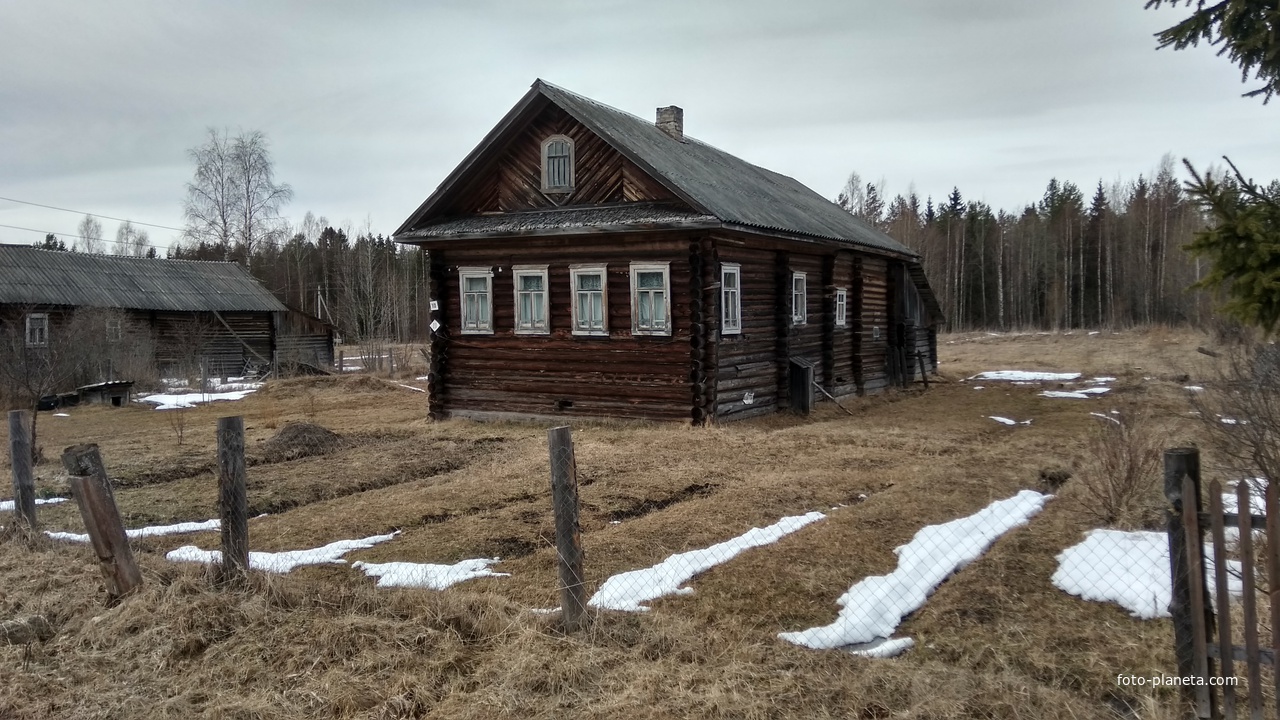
298	440
301	387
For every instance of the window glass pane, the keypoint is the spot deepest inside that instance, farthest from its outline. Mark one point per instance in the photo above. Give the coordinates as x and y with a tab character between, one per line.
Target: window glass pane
476	284
659	309
530	282
597	310
539	319
590	281
526	310
730	280
557	148
644	303
648	280
584	310
469	314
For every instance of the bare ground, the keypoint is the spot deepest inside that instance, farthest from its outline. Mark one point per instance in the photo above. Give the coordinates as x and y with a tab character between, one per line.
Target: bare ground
997	640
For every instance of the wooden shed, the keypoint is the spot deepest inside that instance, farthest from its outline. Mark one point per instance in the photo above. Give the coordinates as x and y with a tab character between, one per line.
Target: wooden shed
585	261
200	317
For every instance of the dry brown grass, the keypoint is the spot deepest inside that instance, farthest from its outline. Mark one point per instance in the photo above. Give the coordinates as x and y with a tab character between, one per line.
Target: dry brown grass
997	640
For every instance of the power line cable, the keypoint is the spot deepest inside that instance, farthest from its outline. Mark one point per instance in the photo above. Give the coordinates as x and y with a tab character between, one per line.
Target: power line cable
105	217
78	237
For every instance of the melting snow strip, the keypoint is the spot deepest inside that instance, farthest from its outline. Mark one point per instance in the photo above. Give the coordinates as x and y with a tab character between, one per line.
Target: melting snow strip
149	531
283	562
1025	376
410	387
1104	416
6	505
1008	421
885	648
629	590
1130	569
872	608
427	575
166	401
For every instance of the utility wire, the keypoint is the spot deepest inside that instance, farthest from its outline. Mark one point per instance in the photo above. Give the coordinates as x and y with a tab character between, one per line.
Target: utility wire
69	235
105	217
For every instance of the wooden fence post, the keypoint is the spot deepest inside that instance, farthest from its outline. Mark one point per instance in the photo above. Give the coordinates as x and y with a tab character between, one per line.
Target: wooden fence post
564	499
1182	463
93	495
24	482
924	374
232	499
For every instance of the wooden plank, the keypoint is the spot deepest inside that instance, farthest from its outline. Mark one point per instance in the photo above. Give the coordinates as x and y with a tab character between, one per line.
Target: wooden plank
1195	570
1253	668
24	482
564	499
1180	464
1222	599
92	492
1272	506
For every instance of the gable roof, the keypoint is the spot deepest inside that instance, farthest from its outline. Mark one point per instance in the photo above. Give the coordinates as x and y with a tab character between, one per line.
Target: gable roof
31	276
710	180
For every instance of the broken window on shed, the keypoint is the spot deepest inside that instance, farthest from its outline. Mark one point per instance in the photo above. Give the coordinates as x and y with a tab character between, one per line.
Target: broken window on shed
531	299
799	299
114	333
730	299
842	306
477	300
590	299
37	330
557	164
650	299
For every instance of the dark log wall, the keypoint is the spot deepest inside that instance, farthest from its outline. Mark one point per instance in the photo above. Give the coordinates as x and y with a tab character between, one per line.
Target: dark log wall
514	183
844	350
747	368
186	340
562	374
301	338
807	341
875	314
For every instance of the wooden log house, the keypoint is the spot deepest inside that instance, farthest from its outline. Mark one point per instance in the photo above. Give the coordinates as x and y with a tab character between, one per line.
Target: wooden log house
586	262
202	317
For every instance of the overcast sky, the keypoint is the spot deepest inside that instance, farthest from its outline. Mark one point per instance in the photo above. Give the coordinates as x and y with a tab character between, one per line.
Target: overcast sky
367	106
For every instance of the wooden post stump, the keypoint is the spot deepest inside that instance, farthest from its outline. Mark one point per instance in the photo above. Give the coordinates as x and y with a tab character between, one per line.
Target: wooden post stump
24	481
564	499
93	495
233	499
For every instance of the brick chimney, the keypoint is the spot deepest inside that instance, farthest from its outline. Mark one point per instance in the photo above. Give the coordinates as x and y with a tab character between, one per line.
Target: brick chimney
671	121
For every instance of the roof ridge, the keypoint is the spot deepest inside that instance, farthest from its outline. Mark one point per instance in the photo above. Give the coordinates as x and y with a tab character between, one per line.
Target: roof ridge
113	256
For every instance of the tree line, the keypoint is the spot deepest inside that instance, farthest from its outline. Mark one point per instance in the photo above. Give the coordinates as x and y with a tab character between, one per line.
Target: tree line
1115	257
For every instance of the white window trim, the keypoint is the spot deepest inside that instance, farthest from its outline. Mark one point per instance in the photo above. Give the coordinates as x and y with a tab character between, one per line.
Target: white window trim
799	310
519	271
115	330
39	342
842	307
546	144
665	269
727	328
603	272
470	272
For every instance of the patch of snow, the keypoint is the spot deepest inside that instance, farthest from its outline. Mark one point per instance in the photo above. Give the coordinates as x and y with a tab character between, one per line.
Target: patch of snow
1105	417
61	415
884	648
1257	497
1025	376
979	387
872	608
426	575
1064	394
1096	390
410	387
424	377
1102	380
1094	332
629	590
8	505
544	611
172	401
1233	421
1130	569
283	562
1003	420
149	531
1193	388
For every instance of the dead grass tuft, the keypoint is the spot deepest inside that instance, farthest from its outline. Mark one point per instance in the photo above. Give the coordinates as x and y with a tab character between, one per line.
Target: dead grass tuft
1120	484
298	440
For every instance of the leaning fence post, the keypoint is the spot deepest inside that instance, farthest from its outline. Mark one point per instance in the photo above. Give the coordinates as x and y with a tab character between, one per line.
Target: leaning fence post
1182	463
93	495
232	499
564	499
24	482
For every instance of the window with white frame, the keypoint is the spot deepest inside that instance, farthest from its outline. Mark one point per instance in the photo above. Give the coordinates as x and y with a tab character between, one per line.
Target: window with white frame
114	333
590	308
842	307
477	300
730	299
650	298
37	330
557	164
799	299
531	299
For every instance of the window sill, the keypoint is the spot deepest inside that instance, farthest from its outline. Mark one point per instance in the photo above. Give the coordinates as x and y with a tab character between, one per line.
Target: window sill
477	332
533	331
591	333
652	333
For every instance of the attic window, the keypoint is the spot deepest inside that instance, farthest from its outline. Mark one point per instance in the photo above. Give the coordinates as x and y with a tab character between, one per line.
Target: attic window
557	164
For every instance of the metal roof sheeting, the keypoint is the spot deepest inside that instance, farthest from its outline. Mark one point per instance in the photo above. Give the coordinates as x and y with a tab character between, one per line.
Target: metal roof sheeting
30	276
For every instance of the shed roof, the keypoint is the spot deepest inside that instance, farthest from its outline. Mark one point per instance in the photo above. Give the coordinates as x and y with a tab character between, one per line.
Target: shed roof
710	180
31	276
